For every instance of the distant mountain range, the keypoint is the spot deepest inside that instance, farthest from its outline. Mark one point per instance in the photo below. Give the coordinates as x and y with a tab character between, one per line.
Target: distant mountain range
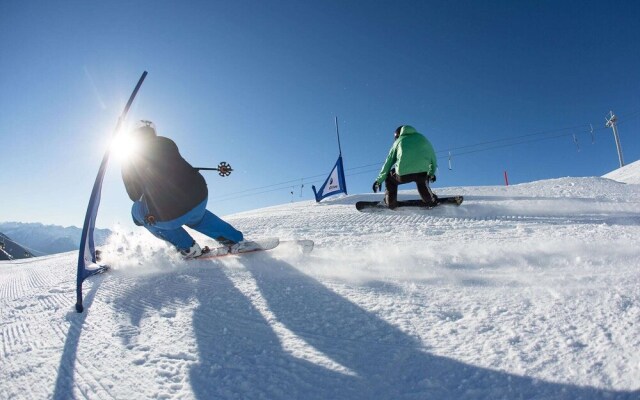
38	239
10	250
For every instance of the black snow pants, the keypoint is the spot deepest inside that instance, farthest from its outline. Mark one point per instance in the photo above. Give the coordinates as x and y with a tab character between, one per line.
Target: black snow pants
421	180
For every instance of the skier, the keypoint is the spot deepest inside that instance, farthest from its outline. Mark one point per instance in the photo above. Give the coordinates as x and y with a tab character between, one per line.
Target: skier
414	160
167	193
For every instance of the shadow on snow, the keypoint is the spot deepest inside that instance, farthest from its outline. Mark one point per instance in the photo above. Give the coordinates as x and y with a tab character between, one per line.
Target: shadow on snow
240	355
66	371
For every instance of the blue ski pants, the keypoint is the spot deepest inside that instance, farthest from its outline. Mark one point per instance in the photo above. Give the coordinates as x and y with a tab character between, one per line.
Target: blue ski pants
199	219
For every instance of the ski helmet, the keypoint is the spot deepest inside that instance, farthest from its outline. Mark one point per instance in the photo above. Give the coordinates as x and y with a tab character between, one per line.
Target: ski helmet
397	132
144	128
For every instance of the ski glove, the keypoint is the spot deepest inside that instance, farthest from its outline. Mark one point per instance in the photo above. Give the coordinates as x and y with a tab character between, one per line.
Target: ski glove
376	187
432	178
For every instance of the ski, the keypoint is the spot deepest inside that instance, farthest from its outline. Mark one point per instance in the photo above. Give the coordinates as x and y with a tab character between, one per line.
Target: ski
303	246
380	205
251	246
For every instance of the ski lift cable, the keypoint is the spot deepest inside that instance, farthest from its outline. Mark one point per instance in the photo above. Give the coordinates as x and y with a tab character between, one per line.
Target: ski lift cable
369	167
510	144
507	139
286	184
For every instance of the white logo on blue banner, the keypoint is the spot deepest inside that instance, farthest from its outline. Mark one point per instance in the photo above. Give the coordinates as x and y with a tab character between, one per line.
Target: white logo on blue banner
334	184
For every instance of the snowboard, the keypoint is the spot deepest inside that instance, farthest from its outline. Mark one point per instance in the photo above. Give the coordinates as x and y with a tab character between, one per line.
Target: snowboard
380	205
251	246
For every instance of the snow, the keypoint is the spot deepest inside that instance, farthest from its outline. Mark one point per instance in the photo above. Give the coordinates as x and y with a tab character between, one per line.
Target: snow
630	173
528	291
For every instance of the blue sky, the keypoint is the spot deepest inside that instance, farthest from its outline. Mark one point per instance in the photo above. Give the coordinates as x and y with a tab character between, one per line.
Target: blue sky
258	84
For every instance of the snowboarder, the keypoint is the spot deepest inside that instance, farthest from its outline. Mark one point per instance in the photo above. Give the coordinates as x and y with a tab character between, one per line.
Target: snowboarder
414	160
167	193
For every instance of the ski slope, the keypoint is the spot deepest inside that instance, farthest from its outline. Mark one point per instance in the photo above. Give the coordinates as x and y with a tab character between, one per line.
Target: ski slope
630	173
528	291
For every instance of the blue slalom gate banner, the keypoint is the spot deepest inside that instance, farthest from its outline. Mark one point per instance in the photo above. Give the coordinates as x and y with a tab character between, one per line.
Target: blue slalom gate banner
334	184
87	263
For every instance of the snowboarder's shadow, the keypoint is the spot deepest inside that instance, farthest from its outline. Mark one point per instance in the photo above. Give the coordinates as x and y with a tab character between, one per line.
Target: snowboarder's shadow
387	362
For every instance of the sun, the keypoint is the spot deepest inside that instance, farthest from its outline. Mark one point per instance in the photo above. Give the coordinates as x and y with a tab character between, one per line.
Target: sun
124	145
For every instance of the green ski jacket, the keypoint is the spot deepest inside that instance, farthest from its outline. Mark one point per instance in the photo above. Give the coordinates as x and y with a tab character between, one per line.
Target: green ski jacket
411	153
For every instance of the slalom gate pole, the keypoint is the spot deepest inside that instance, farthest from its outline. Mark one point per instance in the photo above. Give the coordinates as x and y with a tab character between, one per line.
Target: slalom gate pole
338	134
87	252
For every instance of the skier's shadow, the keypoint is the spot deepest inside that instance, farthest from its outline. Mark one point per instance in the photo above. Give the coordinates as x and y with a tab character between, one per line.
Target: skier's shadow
388	363
240	355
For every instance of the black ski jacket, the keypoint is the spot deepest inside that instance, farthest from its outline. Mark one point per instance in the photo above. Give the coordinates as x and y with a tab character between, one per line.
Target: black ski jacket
158	176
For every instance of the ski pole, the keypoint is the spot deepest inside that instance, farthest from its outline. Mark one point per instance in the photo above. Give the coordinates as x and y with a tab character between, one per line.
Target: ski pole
223	169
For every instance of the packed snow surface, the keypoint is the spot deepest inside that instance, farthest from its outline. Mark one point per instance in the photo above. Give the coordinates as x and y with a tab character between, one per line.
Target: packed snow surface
630	173
529	291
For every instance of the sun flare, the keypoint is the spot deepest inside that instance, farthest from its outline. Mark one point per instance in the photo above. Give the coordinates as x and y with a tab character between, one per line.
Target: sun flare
124	145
